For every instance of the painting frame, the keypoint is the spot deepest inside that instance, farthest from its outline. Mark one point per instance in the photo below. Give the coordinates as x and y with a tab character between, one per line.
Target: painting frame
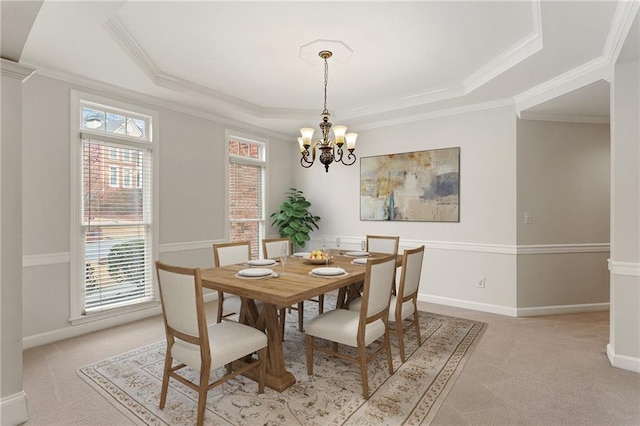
415	186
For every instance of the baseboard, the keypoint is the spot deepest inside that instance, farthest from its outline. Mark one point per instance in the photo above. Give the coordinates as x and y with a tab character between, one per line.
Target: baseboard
514	312
562	309
466	304
90	327
13	409
622	361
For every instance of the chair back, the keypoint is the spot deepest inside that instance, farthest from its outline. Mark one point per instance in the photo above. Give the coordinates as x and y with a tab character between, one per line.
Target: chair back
231	253
411	271
183	309
377	287
272	247
383	244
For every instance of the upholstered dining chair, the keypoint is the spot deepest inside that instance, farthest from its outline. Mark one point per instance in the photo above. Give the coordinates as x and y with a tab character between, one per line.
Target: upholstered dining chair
384	244
358	329
272	249
404	304
229	254
191	343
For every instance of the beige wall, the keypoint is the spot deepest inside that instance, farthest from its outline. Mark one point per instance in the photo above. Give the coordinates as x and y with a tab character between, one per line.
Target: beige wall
482	244
191	198
563	183
624	345
13	408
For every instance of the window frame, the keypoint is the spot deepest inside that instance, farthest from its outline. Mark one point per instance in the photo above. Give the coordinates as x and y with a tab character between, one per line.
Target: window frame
114	172
261	162
127	177
77	255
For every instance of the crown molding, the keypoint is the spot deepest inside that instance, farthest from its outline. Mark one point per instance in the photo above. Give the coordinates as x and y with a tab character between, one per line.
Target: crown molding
401	103
531	44
600	68
131	96
534	116
528	46
16	70
625	14
172	82
408	117
590	72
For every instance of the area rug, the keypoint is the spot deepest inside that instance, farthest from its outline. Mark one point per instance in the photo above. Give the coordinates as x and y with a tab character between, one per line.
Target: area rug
332	396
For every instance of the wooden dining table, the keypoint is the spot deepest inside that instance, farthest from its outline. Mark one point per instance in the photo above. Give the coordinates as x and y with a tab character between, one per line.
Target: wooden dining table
294	284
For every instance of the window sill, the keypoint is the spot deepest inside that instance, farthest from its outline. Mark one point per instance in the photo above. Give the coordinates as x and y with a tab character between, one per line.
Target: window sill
134	310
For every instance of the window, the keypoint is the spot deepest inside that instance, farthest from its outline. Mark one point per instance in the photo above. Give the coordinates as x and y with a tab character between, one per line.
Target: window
114	224
127	178
114	179
246	183
113	153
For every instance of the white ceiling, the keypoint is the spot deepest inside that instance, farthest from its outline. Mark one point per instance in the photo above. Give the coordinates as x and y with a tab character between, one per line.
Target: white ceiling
240	60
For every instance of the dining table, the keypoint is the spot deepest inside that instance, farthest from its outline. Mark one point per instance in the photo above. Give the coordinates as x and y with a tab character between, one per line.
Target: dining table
287	286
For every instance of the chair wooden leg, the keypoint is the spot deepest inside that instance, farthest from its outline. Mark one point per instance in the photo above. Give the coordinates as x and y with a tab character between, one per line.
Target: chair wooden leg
416	321
301	316
321	303
387	342
165	377
309	355
262	374
202	395
220	300
400	333
362	355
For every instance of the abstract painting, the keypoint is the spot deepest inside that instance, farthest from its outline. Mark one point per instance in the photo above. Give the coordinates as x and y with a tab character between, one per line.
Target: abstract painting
422	186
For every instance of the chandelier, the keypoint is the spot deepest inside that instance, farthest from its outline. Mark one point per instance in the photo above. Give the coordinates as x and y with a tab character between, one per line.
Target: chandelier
330	149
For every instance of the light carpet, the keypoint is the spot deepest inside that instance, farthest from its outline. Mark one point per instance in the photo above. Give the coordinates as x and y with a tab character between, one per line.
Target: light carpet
332	396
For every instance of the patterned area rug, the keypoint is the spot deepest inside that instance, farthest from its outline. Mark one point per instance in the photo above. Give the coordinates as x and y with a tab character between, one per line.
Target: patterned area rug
332	396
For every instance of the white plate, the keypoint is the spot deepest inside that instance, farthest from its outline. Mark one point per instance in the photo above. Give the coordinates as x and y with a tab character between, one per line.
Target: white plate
327	271
302	254
255	272
360	261
357	254
261	262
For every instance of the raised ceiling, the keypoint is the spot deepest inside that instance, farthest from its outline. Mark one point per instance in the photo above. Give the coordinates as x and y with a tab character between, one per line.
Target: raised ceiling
241	60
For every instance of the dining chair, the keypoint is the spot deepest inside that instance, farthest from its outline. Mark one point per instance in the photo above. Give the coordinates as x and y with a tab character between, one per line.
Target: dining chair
404	304
384	244
358	329
272	249
192	343
229	254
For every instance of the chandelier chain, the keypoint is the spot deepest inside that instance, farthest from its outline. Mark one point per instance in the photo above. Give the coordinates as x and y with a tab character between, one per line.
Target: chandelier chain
326	78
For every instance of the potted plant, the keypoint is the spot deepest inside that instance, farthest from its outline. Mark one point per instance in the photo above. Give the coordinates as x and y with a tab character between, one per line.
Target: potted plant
294	220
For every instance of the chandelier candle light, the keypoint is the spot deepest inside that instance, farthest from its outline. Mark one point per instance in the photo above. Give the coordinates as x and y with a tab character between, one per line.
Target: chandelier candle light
330	149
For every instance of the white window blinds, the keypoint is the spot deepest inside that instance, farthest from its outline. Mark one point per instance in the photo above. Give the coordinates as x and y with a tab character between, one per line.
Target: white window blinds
246	192
116	224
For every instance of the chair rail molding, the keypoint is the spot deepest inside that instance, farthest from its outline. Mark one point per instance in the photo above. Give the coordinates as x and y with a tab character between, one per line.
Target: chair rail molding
617	268
350	242
630	269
